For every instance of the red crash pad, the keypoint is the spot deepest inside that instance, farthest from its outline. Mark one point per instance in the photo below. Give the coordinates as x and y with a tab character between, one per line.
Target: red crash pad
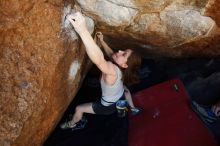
167	119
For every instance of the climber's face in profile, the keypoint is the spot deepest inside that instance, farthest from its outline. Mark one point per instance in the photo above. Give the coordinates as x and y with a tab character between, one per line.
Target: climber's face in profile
121	57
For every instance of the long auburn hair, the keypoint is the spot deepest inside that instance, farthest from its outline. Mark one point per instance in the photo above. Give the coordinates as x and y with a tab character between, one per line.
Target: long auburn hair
130	74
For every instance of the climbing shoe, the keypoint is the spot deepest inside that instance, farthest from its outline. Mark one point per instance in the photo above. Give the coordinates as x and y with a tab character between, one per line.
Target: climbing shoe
136	110
67	125
77	126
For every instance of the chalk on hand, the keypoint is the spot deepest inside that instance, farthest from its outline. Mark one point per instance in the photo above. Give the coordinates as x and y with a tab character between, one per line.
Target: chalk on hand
66	26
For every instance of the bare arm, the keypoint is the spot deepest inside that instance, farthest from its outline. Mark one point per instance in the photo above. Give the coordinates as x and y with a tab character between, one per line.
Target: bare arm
105	46
93	51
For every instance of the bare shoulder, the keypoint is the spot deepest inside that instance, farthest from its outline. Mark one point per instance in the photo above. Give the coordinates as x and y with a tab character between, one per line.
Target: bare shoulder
112	68
111	76
107	68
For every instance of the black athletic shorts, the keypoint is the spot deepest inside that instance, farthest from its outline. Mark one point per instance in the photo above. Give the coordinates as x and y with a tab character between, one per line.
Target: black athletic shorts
100	109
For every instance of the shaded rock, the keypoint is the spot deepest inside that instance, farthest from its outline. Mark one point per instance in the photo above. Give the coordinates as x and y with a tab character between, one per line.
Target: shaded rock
212	10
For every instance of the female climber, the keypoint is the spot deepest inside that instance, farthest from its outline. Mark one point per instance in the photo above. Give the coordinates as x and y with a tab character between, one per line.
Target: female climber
111	75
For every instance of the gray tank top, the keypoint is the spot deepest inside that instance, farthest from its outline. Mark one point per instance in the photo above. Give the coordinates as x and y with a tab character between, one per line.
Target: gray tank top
112	93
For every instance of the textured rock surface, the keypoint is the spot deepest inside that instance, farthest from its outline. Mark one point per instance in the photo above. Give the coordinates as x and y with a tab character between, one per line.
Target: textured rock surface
157	27
40	70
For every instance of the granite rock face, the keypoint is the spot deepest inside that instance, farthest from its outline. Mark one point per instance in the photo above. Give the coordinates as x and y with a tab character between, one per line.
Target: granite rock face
42	63
40	70
158	27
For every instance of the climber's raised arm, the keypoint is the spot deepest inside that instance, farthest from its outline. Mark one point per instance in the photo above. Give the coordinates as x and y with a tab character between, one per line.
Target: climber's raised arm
105	46
92	49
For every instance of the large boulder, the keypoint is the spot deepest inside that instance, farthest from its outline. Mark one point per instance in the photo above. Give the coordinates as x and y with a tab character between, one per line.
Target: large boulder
41	69
42	63
158	27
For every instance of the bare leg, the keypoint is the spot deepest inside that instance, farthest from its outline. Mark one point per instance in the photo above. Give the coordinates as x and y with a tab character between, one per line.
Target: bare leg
80	109
134	110
129	99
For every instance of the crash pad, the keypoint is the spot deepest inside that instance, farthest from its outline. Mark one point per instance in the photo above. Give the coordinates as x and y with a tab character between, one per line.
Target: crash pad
167	119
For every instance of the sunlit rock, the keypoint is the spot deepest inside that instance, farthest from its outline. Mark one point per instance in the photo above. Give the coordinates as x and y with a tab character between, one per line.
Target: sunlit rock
163	25
37	80
109	12
42	61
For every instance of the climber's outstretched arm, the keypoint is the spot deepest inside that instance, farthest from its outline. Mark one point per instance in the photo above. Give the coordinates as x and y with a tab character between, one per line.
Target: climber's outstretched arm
92	49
